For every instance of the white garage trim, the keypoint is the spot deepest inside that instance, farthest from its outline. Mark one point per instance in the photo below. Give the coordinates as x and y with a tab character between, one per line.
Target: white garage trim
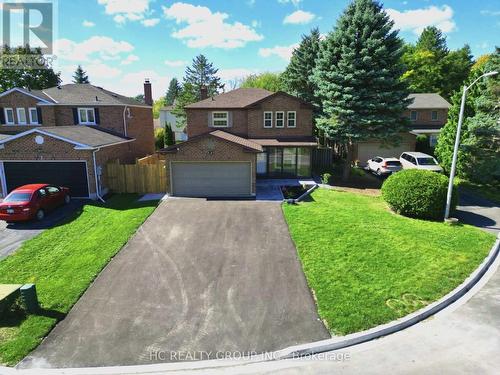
4	180
250	164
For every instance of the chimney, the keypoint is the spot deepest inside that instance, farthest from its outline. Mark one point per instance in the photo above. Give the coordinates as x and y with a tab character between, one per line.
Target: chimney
203	92
148	94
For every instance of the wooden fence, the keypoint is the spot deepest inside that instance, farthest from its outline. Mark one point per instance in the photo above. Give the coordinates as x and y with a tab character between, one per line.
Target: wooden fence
136	178
152	159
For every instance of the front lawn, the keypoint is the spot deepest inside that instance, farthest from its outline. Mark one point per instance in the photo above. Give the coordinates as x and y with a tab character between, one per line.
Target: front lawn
368	266
62	262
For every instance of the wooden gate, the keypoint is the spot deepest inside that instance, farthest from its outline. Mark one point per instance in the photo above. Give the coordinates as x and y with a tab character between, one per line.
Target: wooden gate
136	178
322	159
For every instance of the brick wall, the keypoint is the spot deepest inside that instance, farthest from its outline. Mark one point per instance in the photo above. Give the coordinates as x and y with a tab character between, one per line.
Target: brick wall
199	150
424	116
304	126
141	127
17	100
197	120
249	123
25	148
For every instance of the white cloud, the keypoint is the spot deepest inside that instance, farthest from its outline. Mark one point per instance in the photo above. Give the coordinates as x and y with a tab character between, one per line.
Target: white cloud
417	19
131	84
123	10
207	29
86	23
151	22
299	17
97	47
130	59
284	52
294	2
175	63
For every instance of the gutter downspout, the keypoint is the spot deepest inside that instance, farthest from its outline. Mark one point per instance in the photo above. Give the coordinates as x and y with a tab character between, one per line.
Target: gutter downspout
97	192
125	121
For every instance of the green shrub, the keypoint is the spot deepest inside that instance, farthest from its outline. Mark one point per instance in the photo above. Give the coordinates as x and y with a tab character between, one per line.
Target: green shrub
159	138
325	178
417	193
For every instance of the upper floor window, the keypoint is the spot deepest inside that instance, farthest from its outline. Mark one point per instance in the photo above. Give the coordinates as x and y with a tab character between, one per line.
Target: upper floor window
34	116
9	116
413	115
21	116
268	119
292	119
86	116
434	115
280	119
220	119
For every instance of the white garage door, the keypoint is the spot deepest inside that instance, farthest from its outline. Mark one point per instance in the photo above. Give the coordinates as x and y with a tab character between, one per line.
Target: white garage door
211	179
368	151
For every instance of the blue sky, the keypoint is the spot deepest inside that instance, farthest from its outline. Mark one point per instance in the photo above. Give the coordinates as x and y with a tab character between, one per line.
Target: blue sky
120	42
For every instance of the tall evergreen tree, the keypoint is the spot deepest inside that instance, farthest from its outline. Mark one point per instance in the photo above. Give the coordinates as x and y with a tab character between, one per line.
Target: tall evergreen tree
80	75
432	39
174	88
479	152
297	77
358	77
36	79
202	73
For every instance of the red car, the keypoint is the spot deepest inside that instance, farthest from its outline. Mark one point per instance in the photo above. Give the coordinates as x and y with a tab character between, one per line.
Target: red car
32	202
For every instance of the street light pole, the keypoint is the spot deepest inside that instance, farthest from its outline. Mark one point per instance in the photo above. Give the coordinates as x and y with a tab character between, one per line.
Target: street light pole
457	144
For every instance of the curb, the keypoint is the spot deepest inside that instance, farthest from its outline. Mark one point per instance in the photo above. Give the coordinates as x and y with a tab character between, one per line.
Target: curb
292	352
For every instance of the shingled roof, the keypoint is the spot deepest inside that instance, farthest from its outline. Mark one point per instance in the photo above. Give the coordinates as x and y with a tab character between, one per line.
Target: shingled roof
430	100
238	98
87	94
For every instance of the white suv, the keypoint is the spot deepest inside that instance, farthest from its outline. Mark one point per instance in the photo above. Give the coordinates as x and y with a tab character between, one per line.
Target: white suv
419	160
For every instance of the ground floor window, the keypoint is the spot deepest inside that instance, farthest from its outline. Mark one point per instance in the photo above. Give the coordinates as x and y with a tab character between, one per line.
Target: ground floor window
282	162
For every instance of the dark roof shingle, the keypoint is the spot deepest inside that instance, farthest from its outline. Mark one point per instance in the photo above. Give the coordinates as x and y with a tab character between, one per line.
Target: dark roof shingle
89	136
431	100
238	98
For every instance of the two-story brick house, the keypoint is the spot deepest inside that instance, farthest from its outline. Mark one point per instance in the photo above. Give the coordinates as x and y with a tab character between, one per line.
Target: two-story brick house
65	135
235	137
427	114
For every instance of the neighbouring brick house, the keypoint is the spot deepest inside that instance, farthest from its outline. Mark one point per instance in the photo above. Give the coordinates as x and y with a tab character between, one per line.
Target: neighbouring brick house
65	135
238	136
427	114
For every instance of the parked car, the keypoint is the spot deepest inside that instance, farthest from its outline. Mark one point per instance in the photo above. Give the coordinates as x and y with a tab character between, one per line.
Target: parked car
383	166
30	202
419	160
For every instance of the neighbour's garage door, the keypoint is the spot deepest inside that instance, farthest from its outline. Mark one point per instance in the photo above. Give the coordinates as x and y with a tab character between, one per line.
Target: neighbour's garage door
211	179
72	175
369	150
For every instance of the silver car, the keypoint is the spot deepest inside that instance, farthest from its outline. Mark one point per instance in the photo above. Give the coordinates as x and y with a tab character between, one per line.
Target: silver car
419	160
383	166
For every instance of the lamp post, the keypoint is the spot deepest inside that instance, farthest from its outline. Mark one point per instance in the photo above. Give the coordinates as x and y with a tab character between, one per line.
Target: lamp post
457	143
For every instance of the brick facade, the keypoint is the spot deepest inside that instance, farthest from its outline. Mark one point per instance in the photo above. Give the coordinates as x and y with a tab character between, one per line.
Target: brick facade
139	123
424	117
249	123
210	148
26	149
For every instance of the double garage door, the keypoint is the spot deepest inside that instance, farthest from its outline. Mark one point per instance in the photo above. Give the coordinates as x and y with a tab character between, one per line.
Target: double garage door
72	175
211	179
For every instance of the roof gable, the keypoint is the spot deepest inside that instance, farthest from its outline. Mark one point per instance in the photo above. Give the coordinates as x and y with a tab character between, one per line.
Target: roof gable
428	100
36	94
239	98
228	137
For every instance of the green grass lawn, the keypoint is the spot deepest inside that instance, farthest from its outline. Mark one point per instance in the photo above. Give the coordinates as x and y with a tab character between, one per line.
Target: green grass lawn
368	266
62	262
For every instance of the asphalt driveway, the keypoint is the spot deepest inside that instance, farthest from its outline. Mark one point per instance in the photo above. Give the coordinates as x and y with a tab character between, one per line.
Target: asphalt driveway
12	236
199	277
